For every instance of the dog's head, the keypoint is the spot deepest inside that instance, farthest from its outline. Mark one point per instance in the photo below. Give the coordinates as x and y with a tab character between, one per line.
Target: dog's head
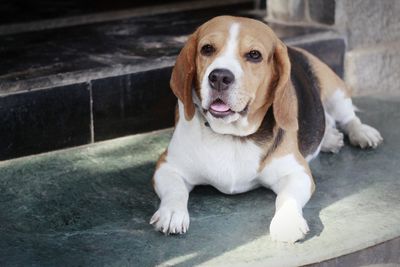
233	69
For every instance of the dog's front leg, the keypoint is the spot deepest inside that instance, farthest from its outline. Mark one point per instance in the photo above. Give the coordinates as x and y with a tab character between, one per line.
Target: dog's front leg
293	186
172	217
293	192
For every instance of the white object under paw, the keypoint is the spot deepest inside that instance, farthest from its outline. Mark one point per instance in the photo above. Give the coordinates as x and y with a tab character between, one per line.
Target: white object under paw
171	219
365	136
288	224
333	141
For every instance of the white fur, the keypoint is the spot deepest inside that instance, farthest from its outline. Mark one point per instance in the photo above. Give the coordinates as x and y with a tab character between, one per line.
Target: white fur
293	188
288	224
333	139
340	109
205	157
361	134
170	186
278	168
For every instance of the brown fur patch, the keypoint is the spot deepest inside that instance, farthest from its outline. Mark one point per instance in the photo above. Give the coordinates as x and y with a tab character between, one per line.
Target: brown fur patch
162	159
183	75
277	140
285	101
265	132
289	146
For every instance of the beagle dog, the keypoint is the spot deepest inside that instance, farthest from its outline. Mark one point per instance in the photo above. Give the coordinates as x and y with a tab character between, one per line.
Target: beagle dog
251	112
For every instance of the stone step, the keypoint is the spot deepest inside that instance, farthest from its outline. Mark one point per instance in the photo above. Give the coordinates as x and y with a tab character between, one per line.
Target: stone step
38	15
76	85
90	206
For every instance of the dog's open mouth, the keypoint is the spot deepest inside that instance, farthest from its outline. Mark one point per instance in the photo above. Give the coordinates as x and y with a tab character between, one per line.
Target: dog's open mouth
219	109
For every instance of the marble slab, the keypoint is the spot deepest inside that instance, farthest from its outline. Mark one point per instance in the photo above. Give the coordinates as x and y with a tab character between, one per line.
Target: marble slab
90	206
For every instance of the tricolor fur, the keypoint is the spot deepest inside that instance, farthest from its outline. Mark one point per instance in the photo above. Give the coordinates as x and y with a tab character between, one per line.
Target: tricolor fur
251	112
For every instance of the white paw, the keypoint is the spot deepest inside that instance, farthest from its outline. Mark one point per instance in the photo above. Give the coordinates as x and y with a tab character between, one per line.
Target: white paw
365	136
333	141
288	224
171	219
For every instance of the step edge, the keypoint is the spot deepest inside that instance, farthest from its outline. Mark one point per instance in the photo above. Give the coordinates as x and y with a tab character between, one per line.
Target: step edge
82	76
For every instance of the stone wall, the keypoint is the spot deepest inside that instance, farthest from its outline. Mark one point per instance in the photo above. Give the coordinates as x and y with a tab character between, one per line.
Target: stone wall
372	32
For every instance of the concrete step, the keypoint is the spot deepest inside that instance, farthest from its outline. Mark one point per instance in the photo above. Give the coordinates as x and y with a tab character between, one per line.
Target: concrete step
90	206
76	85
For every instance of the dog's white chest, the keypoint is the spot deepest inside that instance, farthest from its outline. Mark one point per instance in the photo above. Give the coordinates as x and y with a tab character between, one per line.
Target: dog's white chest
227	163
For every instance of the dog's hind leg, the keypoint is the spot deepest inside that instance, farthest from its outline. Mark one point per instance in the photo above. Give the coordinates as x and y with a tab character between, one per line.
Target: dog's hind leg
341	109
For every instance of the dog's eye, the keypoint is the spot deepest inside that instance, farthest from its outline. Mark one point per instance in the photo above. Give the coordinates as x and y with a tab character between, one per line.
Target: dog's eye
254	56
207	50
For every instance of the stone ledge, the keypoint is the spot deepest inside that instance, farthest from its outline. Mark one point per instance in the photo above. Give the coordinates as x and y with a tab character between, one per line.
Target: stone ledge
121	67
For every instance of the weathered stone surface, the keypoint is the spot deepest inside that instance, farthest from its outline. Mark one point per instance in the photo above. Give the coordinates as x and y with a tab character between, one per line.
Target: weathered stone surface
374	69
322	11
369	22
372	29
301	11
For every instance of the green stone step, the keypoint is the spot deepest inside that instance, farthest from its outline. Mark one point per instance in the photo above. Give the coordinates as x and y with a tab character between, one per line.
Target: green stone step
90	206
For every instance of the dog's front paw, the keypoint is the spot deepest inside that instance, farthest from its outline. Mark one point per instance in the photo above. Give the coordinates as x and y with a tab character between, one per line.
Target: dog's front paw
171	219
288	224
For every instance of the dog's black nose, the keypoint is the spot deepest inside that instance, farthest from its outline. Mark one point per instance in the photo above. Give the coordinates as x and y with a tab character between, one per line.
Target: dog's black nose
221	79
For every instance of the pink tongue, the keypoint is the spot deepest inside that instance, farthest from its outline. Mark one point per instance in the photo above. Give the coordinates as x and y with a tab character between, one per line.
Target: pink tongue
219	106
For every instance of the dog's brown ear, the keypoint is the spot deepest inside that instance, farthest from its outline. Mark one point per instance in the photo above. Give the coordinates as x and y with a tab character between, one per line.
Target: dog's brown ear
183	75
284	103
